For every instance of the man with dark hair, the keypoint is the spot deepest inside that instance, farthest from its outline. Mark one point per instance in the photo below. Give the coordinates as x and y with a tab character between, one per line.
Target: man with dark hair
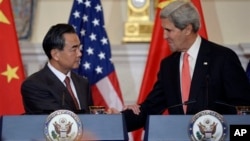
55	86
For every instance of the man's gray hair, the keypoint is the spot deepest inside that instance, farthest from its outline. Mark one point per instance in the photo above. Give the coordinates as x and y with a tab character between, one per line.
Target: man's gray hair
182	14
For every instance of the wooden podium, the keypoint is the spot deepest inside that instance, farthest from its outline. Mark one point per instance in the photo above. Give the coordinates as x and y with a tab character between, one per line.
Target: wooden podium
31	127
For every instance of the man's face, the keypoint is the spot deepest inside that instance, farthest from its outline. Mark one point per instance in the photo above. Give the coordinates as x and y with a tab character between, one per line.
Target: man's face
69	57
175	37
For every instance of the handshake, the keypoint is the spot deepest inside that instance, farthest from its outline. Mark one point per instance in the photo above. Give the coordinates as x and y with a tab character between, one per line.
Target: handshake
101	109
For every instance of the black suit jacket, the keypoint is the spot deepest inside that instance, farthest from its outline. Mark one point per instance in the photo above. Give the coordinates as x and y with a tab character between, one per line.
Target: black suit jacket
218	77
43	92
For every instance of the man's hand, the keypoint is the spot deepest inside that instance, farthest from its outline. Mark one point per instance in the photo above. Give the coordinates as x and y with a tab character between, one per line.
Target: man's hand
112	111
135	108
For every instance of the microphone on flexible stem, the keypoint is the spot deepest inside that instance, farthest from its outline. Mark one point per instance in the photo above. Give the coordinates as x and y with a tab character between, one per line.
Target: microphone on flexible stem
224	104
180	104
241	110
227	105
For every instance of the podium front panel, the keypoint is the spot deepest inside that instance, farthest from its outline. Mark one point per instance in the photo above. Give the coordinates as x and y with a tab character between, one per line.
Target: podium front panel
105	127
23	127
31	127
175	127
167	127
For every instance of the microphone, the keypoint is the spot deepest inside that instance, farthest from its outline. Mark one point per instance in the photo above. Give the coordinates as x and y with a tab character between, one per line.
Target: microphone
180	104
231	109
224	104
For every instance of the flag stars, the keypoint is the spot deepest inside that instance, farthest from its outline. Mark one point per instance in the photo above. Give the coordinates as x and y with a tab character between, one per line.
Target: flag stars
95	22
74	27
85	18
3	18
87	3
98	69
111	60
76	14
79	1
10	73
86	65
98	8
101	55
104	41
81	47
82	32
92	37
90	51
91	29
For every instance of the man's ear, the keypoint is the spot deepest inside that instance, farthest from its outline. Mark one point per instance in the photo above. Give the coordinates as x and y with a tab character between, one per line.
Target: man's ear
55	54
188	29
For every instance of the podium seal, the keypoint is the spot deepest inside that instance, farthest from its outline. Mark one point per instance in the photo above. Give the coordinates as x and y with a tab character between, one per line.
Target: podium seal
63	125
207	125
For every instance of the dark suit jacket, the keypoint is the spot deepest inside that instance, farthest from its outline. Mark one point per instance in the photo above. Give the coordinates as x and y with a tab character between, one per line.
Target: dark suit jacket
43	92
222	80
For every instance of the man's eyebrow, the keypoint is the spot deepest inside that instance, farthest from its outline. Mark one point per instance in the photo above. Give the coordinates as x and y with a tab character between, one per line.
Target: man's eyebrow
166	29
75	46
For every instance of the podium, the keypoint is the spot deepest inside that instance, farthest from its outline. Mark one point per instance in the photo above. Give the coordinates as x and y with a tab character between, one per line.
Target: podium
175	127
31	127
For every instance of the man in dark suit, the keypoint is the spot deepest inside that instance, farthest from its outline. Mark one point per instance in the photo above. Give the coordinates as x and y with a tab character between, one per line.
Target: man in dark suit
217	76
46	90
248	71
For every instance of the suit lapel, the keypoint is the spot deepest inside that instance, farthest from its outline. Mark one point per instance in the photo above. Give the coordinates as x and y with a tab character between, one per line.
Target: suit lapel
176	72
54	82
173	79
201	72
60	92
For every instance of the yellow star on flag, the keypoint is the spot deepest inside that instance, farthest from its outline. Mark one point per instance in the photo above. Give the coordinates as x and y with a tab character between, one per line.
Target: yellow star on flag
2	16
11	73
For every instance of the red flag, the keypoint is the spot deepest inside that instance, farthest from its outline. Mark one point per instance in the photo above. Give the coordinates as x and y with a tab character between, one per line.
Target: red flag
11	67
202	31
158	50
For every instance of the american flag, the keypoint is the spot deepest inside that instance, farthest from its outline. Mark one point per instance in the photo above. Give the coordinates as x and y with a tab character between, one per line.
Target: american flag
96	63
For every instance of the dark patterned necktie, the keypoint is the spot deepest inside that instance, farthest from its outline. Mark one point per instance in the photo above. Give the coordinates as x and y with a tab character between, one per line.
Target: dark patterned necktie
67	82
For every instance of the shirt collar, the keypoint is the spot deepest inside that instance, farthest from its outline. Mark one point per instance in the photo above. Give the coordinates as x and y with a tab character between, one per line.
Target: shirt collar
58	74
194	49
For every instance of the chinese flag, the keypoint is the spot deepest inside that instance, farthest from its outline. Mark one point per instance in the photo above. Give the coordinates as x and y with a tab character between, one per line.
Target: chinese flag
203	31
158	50
11	68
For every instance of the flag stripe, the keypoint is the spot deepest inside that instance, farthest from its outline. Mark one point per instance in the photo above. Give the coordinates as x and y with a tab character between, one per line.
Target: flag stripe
109	94
98	97
114	80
